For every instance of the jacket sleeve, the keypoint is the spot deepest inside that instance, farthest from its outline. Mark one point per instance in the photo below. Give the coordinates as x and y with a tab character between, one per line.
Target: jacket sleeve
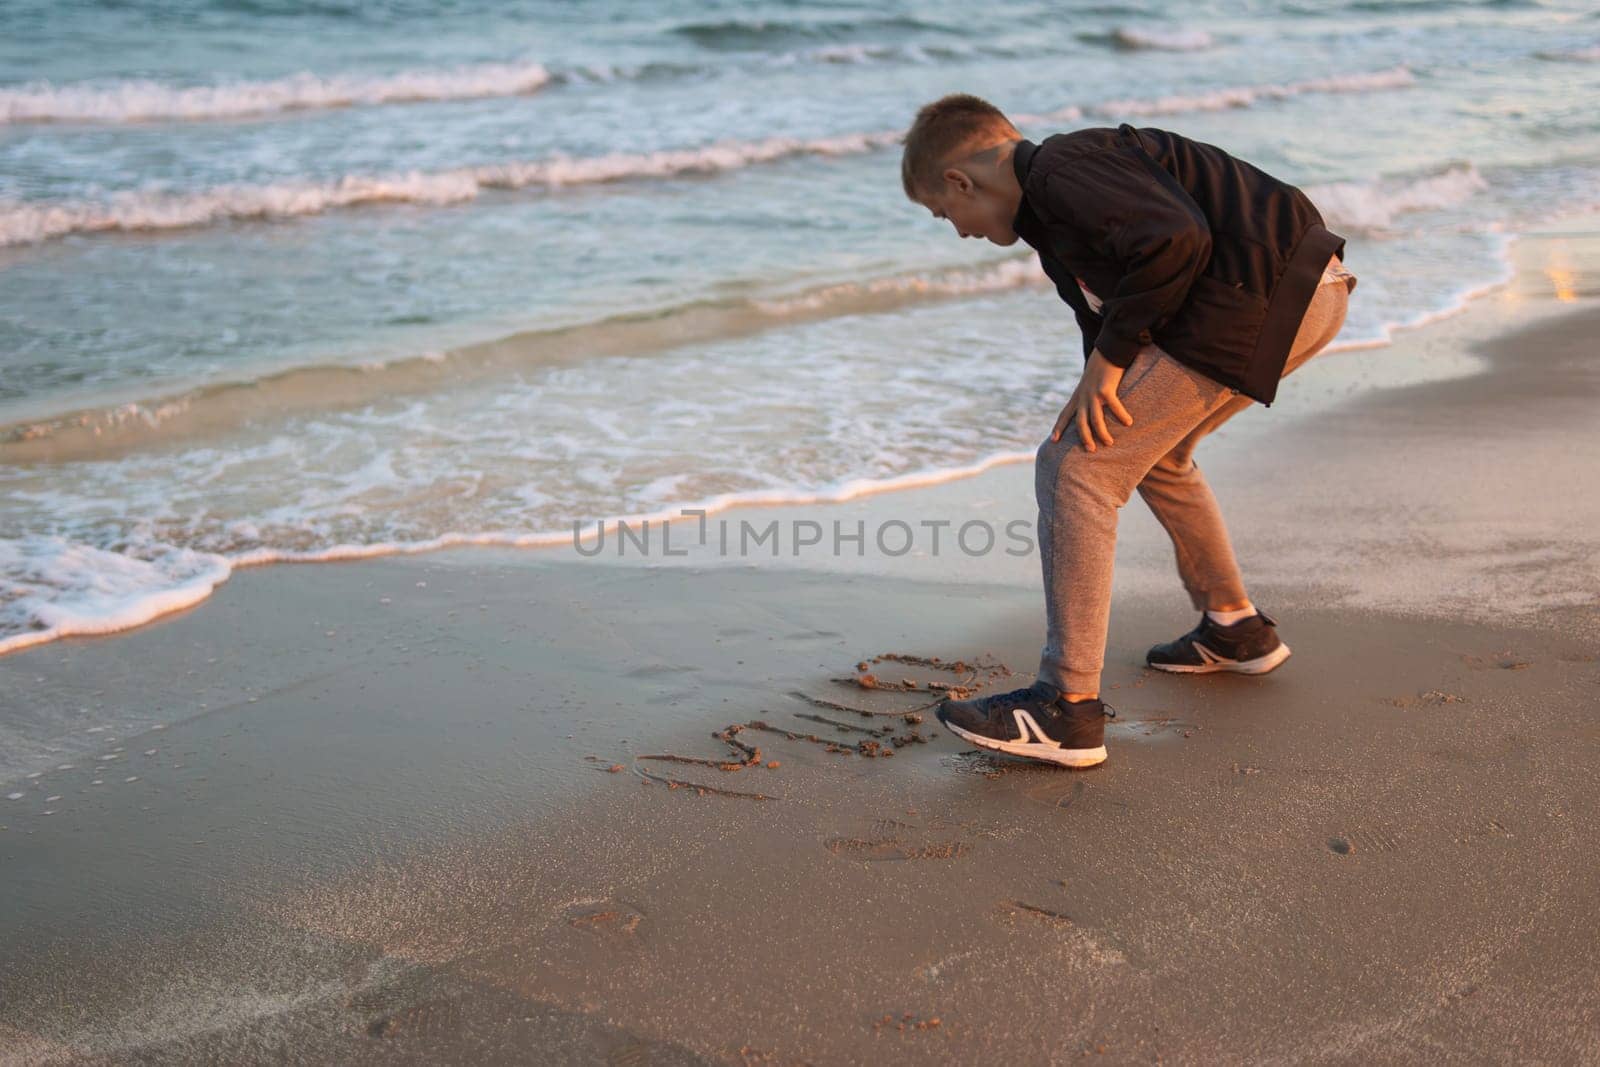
1153	231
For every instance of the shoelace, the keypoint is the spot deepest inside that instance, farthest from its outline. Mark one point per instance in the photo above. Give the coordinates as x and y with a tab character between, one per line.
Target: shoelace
1028	696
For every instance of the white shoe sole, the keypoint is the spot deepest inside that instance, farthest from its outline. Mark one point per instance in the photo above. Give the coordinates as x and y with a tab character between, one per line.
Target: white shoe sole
1064	757
1259	665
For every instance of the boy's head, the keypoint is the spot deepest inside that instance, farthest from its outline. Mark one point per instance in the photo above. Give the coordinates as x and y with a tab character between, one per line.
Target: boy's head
957	164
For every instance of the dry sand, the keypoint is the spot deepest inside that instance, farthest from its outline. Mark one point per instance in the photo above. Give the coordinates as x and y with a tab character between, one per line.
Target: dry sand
384	823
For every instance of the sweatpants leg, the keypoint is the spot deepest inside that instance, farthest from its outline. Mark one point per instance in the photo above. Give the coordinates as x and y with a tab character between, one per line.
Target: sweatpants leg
1182	501
1079	494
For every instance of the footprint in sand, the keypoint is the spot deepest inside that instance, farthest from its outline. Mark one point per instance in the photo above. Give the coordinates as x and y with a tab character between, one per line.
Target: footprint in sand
892	839
1060	795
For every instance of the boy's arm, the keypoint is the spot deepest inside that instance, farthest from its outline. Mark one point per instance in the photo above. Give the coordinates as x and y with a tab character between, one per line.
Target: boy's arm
1151	228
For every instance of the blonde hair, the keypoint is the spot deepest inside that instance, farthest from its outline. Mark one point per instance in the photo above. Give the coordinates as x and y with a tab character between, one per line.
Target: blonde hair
942	129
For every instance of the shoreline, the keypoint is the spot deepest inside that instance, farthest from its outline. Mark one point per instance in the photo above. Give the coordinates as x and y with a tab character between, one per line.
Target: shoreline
1327	385
143	610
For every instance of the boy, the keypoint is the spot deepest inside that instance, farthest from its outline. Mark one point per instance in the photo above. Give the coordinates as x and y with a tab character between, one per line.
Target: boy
1198	281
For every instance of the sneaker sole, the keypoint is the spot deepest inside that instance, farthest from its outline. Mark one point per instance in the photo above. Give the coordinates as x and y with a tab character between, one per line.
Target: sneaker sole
1062	757
1259	665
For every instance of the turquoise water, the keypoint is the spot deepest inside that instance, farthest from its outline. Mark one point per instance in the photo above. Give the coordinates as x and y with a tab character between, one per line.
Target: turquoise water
280	280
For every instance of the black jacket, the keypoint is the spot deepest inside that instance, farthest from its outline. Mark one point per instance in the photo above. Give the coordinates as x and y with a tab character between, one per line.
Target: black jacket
1187	247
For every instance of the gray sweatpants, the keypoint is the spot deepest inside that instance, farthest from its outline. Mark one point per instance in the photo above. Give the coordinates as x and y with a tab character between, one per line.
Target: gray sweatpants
1080	492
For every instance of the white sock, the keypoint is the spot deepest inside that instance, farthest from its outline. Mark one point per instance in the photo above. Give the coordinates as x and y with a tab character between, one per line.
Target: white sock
1228	618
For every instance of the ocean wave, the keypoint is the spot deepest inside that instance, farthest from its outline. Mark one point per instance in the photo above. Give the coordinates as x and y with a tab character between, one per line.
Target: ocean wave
29	222
1372	206
602	73
1590	54
1152	39
1249	95
51	587
855	53
143	100
148	101
1412	7
745	35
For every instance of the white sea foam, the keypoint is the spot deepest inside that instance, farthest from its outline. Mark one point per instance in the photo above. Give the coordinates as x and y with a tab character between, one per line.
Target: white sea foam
137	100
1248	95
27	222
1371	206
1162	40
51	587
146	101
1451	304
873	53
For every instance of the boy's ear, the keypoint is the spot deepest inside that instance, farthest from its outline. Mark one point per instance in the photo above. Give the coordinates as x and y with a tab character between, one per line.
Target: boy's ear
957	180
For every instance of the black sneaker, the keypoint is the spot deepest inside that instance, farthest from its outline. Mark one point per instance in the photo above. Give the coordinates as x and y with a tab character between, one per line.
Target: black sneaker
1249	646
1037	722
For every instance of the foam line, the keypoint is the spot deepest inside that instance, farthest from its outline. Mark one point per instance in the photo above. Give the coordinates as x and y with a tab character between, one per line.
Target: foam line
29	222
146	101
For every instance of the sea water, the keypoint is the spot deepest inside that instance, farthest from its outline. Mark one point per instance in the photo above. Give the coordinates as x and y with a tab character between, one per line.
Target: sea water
313	279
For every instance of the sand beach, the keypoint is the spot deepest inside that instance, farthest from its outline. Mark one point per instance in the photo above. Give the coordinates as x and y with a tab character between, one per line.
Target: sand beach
492	495
407	810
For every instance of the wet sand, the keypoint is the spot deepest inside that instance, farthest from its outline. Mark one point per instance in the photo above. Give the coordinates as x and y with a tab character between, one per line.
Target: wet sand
414	821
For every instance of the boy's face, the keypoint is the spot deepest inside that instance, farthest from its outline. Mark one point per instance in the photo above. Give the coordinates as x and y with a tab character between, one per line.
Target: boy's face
974	211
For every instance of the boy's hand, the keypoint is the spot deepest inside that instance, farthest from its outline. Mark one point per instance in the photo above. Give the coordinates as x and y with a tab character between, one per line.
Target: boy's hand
1096	392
